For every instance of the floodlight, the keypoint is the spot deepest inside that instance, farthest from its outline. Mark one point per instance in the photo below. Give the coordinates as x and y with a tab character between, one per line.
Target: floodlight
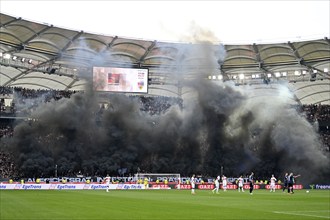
214	77
277	74
297	73
14	57
220	77
313	75
269	75
326	70
284	74
7	56
241	76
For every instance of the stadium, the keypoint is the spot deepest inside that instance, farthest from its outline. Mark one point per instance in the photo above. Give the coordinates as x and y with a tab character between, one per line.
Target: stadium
77	106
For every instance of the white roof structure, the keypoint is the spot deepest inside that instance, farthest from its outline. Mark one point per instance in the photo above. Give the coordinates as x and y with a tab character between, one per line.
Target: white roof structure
42	56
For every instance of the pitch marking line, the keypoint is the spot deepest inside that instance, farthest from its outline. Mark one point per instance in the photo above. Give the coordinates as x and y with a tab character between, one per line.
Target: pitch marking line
301	213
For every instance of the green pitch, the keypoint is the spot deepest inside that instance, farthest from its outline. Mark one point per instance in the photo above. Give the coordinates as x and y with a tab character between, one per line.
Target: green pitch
162	204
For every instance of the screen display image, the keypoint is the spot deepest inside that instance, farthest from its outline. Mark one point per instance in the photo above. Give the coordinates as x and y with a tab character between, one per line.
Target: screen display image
113	79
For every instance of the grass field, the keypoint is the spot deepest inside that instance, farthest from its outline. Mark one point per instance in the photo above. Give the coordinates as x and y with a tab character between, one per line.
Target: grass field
161	204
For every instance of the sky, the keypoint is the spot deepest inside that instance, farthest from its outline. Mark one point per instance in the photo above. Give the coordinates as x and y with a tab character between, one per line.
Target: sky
177	21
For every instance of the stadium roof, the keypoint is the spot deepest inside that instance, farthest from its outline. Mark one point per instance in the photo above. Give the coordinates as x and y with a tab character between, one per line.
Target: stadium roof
42	56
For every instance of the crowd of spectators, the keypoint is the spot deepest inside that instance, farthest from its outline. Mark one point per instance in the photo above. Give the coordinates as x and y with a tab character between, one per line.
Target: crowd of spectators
318	113
23	101
5	90
7	167
326	140
6	130
6	93
157	105
35	93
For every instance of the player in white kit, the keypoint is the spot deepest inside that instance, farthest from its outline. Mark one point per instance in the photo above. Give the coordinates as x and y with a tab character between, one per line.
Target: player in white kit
272	183
224	183
107	182
217	185
240	181
192	182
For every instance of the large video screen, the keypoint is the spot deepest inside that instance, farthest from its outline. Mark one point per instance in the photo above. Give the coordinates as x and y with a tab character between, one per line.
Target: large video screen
113	79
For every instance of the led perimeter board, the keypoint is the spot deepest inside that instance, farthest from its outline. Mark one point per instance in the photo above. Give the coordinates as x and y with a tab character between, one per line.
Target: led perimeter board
113	79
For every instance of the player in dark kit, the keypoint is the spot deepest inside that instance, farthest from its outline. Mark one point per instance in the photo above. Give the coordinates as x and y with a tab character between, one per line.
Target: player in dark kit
291	181
285	182
251	181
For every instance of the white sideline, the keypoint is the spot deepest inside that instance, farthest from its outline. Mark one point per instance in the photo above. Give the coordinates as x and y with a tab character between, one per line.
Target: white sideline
301	213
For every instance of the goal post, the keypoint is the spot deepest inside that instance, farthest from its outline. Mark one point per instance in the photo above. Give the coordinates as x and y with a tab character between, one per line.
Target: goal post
171	178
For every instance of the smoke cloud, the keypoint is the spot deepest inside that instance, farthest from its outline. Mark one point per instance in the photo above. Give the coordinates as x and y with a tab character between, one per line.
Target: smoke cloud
218	125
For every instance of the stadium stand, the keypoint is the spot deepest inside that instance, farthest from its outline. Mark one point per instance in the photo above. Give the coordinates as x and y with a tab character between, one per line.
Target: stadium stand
37	67
150	105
